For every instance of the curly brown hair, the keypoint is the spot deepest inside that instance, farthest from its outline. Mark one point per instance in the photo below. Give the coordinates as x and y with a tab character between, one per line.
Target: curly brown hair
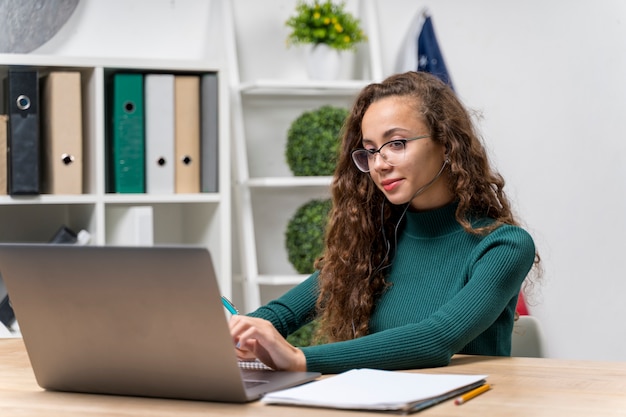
352	268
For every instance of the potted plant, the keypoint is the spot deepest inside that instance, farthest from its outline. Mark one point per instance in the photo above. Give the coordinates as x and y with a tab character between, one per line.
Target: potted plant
326	28
304	238
312	146
313	141
304	336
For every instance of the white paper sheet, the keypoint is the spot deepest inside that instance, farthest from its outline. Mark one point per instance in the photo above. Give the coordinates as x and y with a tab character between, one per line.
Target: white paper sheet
369	389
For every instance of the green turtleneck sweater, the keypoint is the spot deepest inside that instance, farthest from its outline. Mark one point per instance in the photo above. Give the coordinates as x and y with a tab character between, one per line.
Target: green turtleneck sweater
451	292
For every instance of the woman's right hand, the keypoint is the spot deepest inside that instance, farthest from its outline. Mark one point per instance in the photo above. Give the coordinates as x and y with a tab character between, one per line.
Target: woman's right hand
257	338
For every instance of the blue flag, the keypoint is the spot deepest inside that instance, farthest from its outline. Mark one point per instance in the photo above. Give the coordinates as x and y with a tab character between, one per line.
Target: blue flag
429	57
420	50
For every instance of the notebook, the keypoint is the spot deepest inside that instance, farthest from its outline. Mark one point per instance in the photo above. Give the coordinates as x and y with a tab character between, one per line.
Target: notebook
378	390
139	321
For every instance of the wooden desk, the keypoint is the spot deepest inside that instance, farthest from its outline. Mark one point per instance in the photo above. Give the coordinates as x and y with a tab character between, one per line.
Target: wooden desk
522	387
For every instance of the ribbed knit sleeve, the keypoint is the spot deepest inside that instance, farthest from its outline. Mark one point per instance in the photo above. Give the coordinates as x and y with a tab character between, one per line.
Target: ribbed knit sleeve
294	309
451	292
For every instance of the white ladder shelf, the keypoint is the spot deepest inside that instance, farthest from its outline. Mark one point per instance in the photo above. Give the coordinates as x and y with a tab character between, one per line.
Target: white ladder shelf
244	184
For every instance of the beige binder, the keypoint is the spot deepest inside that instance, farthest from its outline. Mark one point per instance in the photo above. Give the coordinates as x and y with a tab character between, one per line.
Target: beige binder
3	154
187	133
62	132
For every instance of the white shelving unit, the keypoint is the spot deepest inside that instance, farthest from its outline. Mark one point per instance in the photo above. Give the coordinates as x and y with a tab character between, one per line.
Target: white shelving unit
266	194
202	219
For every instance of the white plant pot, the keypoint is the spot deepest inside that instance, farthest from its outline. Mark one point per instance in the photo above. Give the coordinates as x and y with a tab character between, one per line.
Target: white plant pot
322	62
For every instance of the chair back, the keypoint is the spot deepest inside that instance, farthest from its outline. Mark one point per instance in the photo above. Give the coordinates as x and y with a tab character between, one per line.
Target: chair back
527	339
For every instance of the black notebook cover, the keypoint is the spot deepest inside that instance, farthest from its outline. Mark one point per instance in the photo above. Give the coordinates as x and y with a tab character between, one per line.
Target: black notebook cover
7	316
64	235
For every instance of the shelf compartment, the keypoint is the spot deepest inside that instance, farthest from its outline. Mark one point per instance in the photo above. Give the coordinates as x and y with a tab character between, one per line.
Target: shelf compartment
169	223
44	221
270	224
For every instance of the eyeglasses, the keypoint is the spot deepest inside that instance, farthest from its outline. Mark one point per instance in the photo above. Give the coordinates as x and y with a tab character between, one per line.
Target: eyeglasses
392	153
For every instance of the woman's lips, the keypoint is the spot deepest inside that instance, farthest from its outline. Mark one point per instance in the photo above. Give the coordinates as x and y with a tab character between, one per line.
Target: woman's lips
391	184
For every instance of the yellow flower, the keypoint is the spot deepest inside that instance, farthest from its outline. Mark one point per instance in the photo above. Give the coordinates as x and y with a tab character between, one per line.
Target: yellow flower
324	21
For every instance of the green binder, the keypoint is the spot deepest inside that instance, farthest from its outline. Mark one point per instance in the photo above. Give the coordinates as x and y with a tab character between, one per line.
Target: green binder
127	135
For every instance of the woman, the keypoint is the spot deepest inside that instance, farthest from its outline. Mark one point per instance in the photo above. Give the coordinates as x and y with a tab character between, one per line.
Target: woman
423	258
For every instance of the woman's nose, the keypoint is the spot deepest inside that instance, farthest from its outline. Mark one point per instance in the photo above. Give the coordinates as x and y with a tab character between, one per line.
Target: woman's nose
379	163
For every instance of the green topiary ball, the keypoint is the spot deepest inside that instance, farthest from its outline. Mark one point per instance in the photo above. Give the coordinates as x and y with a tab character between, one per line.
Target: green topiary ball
304	336
304	237
313	141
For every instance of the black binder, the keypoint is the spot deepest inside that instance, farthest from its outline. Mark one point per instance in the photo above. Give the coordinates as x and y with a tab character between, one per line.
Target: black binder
23	132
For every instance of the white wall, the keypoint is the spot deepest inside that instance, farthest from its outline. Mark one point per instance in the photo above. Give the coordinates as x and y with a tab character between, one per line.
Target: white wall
155	29
546	78
548	81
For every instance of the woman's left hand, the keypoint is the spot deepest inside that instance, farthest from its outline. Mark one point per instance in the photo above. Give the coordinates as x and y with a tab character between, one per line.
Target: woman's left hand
257	338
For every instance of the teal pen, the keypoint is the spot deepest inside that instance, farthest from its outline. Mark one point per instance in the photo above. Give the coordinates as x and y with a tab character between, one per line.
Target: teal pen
229	306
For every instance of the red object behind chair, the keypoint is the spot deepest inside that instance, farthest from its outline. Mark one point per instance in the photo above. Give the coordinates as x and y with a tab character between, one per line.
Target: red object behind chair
521	308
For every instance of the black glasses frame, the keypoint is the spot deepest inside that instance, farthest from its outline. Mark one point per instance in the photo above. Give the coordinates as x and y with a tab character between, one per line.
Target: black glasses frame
371	153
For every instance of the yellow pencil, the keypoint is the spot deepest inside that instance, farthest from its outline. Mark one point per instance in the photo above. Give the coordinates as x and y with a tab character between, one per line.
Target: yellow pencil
473	393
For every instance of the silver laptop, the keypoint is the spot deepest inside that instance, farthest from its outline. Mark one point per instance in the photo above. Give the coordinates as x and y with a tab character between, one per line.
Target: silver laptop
140	321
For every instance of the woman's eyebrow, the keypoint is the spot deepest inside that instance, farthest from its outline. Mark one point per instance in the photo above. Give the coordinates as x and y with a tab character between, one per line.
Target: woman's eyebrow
390	132
387	134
